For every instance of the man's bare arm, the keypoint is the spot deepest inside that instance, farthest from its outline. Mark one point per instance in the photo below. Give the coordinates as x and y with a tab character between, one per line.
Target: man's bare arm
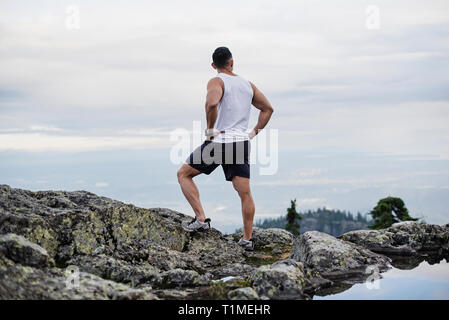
214	94
266	110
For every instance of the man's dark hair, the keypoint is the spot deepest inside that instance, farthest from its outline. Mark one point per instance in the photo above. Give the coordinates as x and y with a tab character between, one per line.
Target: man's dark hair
221	56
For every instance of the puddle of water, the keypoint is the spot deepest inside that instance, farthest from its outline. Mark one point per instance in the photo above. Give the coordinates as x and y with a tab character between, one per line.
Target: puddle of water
424	282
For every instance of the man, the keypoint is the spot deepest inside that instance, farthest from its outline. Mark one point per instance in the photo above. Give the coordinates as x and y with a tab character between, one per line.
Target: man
228	105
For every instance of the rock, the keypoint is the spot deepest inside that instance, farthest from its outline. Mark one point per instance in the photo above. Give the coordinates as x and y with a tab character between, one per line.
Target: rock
22	251
166	259
316	284
281	280
178	278
273	240
68	223
115	269
202	252
270	245
120	251
246	293
174	294
377	241
211	249
31	226
333	258
93	285
81	223
24	282
232	270
409	238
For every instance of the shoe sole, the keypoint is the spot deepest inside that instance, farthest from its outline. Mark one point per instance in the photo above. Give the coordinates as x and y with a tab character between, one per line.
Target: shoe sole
196	230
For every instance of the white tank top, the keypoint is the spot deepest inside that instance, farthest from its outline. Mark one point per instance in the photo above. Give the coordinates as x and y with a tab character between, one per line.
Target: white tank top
234	109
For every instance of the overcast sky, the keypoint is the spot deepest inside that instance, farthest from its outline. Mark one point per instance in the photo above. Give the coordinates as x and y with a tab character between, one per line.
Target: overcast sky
93	76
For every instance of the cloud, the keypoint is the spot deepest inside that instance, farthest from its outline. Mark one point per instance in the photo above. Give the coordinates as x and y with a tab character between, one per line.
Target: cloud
31	128
220	208
101	184
39	142
45	128
415	128
369	179
135	71
322	53
308	172
311	202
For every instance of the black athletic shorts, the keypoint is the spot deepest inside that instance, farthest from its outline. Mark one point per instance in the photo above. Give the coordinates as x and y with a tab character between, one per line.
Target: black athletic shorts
232	156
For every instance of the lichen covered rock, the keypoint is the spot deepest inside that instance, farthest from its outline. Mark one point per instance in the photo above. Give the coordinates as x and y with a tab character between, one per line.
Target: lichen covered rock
272	240
115	269
22	251
409	238
178	278
246	293
120	251
333	258
282	280
19	281
232	270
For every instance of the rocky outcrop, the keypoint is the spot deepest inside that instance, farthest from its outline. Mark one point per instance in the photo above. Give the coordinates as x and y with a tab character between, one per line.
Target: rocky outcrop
178	278
77	245
22	251
130	247
284	279
410	239
333	259
114	269
247	293
271	245
105	240
233	270
272	240
27	272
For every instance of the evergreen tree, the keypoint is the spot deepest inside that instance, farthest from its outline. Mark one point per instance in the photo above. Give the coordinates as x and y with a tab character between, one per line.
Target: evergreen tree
292	217
388	211
350	216
329	221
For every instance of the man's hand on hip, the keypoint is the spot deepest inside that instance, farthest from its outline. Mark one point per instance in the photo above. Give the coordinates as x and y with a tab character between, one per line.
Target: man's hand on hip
212	133
252	134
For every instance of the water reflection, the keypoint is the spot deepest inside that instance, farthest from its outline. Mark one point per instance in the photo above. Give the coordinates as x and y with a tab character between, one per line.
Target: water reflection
425	281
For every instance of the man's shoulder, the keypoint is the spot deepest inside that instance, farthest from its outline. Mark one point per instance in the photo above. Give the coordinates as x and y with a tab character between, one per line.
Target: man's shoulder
215	81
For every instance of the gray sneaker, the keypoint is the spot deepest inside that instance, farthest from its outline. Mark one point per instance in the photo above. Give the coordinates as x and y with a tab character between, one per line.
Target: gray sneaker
196	225
248	245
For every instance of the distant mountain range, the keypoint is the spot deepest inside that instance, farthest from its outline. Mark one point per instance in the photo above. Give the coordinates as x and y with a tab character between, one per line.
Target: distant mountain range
333	222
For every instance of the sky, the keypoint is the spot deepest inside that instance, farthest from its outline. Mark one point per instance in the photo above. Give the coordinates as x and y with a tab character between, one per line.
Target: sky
91	94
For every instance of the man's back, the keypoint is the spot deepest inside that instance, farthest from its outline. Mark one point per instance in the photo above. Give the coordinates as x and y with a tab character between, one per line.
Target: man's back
234	109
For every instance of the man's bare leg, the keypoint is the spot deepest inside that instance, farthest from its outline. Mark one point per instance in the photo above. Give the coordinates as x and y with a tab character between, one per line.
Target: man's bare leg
189	189
241	185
